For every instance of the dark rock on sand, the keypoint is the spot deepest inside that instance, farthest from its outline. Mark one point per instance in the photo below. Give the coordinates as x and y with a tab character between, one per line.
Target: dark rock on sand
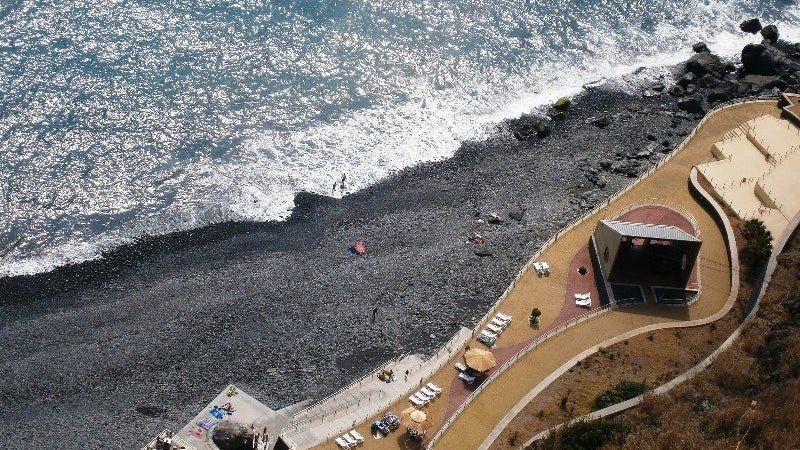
687	79
727	90
691	105
606	163
517	214
709	81
770	32
528	127
750	26
601	122
700	47
691	89
557	115
482	251
658	87
761	82
677	91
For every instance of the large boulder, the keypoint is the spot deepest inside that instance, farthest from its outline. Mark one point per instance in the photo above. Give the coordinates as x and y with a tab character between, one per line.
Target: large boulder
691	105
762	60
762	82
750	26
230	435
528	127
756	60
700	47
770	32
709	81
687	79
727	90
703	63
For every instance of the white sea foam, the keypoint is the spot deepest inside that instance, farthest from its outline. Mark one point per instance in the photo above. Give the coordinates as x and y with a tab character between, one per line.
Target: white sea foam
428	88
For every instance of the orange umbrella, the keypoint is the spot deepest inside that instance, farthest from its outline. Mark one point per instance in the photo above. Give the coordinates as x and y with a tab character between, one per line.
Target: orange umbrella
479	359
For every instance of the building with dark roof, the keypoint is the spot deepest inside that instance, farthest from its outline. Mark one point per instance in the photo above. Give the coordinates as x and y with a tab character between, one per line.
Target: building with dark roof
643	261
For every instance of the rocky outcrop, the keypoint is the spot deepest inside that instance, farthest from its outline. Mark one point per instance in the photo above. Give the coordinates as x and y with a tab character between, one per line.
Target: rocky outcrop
706	62
527	127
700	47
770	32
750	26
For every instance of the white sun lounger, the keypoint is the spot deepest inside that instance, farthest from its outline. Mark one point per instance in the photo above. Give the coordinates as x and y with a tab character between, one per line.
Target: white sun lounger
359	438
349	439
583	299
434	387
429	392
342	443
416	400
468	378
545	268
461	367
504	317
488	333
499	322
494	328
422	396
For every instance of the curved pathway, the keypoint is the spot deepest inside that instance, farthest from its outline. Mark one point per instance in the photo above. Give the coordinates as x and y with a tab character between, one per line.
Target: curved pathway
474	426
772	263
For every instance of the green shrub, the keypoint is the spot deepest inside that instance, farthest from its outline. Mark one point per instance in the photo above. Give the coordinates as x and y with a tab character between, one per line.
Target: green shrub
624	390
583	435
759	242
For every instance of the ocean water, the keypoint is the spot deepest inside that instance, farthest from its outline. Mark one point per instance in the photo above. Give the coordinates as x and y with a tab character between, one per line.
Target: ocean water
124	118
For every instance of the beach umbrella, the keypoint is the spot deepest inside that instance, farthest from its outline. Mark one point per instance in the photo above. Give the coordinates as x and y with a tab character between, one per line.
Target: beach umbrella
479	359
418	416
415	419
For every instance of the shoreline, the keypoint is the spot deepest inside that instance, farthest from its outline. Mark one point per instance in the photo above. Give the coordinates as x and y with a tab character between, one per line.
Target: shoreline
161	324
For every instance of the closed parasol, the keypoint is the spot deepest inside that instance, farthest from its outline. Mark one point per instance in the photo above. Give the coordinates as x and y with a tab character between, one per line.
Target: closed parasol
479	359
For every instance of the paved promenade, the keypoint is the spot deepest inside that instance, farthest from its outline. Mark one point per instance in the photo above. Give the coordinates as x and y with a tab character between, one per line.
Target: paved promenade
477	421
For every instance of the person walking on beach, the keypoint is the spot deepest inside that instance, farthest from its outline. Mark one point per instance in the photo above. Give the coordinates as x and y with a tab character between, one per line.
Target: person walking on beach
335	183
344	178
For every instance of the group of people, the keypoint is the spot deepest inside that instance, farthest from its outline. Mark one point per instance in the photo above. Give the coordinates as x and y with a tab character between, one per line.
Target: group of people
386	375
339	184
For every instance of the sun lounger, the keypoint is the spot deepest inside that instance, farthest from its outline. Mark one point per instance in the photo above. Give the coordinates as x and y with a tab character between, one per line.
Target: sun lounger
583	299
461	367
486	340
416	400
425	398
434	387
359	438
494	328
349	439
486	332
342	443
499	322
538	268
429	392
545	268
504	317
468	378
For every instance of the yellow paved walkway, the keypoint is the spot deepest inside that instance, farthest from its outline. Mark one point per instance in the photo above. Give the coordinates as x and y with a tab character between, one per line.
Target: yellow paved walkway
670	183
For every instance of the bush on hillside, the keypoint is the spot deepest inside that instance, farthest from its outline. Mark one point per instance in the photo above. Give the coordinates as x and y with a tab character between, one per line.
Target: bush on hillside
624	390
